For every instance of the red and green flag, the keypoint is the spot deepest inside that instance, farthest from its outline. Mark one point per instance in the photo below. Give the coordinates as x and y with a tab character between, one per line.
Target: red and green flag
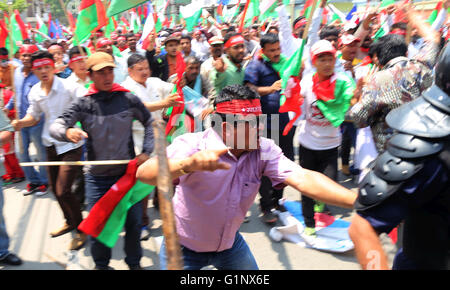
253	13
111	27
17	30
333	96
384	28
435	13
176	124
119	6
306	11
291	100
91	17
107	218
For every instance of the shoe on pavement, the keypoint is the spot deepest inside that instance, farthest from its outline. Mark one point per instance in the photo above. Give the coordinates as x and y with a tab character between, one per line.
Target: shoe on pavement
11	259
64	230
18	179
345	170
309	235
103	268
145	233
31	188
135	268
269	217
78	242
41	190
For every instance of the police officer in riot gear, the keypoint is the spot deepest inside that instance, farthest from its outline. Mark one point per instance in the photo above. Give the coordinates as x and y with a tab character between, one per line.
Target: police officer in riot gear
410	183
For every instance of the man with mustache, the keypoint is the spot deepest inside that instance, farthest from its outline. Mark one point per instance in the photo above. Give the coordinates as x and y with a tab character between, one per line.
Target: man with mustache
229	70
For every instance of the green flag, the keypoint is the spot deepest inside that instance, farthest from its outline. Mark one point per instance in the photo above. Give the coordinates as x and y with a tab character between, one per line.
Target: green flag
191	14
118	6
91	18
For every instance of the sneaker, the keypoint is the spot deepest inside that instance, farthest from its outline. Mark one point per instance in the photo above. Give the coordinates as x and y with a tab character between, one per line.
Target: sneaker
135	268
41	190
310	231
31	188
145	233
269	217
309	235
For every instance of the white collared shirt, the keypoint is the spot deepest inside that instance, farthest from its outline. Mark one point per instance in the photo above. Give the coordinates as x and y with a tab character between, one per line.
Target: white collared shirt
52	105
77	85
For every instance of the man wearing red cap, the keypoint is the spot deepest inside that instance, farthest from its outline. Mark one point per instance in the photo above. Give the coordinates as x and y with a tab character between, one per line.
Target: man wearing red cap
217	174
24	80
120	71
327	96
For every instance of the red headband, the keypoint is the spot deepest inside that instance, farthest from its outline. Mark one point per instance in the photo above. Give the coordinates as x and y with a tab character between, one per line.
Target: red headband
235	40
43	62
300	23
240	107
4	57
28	49
103	42
77	58
398	31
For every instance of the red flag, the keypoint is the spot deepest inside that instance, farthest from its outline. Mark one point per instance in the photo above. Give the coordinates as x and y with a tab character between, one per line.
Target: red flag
293	103
177	111
72	24
125	21
399	16
241	26
23	28
3	33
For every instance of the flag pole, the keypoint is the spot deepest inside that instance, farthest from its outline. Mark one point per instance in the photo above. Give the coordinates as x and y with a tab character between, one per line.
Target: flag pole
11	55
165	194
63	7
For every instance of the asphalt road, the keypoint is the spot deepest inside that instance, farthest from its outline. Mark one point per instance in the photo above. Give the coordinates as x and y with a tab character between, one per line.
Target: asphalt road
30	219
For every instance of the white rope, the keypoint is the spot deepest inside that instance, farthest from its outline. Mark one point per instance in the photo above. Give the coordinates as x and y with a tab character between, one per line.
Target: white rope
76	163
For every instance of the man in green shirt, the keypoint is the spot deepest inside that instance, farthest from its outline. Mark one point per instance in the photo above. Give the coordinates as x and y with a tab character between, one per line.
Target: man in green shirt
229	69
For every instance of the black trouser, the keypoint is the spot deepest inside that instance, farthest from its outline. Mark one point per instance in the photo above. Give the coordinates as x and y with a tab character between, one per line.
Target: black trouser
348	141
324	161
269	195
61	179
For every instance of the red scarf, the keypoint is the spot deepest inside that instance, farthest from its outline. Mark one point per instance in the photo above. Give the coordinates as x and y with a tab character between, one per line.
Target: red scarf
324	90
116	88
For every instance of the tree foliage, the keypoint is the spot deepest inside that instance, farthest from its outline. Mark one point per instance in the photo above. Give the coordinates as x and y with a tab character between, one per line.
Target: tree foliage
17	4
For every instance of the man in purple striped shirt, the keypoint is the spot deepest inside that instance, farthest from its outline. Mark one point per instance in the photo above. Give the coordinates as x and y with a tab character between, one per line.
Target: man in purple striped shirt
217	179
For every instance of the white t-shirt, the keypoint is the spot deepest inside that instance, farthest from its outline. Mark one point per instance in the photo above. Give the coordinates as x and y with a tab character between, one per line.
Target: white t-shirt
154	91
317	133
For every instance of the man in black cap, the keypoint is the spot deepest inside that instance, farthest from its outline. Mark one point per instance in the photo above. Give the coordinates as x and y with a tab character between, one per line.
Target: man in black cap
163	66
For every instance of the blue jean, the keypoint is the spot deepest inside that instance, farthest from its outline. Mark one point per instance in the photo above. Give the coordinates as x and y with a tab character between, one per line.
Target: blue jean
28	135
238	257
96	187
4	239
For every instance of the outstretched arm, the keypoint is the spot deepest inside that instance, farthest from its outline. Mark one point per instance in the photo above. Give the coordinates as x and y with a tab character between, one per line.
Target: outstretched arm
320	187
